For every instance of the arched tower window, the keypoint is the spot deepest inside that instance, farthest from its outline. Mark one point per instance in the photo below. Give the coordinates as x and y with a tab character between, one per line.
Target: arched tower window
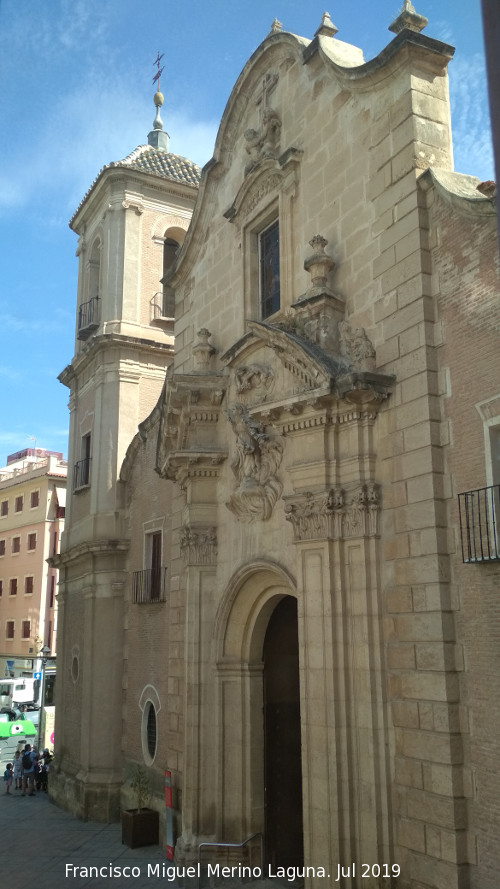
89	311
171	245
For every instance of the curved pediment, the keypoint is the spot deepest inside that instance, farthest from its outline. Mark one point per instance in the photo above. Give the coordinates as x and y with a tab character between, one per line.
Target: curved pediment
311	367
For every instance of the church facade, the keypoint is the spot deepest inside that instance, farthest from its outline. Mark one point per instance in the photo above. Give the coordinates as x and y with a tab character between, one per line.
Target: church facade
281	588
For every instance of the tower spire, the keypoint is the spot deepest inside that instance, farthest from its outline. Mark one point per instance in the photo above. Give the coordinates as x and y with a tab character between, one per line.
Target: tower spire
157	137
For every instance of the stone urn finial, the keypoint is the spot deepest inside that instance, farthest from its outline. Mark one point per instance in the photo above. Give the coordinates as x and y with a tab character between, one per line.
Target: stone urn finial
203	351
318	264
276	27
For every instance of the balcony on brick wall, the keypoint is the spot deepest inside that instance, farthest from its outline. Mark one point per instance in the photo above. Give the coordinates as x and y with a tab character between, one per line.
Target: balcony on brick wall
479	513
149	585
88	318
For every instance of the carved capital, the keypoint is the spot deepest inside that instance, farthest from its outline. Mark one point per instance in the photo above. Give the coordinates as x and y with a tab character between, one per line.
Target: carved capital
137	207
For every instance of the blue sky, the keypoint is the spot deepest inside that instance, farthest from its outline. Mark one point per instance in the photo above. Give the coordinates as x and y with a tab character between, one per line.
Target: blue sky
76	93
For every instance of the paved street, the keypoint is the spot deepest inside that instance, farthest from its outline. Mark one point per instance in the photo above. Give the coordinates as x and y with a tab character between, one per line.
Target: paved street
38	841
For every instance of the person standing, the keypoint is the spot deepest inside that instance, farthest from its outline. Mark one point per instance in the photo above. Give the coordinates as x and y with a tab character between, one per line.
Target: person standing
28	762
17	771
7	777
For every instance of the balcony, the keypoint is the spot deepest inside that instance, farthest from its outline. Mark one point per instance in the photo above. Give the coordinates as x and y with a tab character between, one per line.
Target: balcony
88	318
479	513
162	310
81	474
149	585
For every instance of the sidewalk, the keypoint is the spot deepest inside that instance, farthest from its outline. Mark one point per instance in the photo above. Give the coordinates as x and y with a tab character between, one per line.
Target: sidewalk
38	841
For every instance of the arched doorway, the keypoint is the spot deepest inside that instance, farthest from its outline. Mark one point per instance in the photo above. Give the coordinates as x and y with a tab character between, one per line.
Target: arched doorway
282	738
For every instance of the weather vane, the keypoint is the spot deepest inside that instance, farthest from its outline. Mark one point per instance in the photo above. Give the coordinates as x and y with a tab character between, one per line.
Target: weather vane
159	70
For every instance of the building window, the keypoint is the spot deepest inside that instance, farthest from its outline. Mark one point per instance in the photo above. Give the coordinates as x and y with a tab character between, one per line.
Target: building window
81	472
151	729
19	502
52	590
1	587
32	541
4	507
35	499
26	629
13	586
269	264
16	544
2	547
55	541
28	586
9	629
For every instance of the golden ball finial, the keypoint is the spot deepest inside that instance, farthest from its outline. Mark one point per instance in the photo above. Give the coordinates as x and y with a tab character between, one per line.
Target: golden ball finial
158	99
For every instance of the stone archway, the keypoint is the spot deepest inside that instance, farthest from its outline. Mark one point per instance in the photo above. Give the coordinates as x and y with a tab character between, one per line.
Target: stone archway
260	602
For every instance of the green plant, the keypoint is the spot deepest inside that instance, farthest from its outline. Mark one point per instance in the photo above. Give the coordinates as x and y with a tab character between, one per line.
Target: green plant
140	784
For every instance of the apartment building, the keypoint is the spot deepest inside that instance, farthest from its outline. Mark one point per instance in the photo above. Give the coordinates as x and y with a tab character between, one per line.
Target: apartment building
32	507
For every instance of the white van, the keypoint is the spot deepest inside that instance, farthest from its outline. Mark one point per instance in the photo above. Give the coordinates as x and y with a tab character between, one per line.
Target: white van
23	690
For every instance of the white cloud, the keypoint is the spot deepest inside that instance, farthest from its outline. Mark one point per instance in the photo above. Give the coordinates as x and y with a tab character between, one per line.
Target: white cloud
470	118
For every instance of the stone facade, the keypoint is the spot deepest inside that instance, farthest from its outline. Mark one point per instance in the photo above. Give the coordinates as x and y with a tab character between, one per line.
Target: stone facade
284	580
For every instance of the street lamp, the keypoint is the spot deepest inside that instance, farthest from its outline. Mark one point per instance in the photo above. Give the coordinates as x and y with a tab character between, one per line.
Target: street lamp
44	654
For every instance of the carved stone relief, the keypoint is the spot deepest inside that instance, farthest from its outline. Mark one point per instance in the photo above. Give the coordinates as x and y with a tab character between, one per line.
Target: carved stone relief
264	142
356	348
259	377
335	514
255	463
198	545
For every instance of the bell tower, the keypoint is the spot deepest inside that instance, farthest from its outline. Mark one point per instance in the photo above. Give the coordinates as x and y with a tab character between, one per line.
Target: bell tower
130	224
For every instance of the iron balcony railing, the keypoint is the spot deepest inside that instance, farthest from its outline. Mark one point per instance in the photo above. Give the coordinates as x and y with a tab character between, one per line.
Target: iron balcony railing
162	305
149	585
81	473
479	513
88	318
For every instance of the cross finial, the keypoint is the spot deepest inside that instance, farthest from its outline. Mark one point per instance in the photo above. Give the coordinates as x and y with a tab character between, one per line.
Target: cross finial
159	70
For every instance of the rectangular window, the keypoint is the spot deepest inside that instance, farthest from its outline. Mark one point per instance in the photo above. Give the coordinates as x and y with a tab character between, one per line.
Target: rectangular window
19	502
1	587
2	547
26	629
55	541
52	590
13	586
16	544
269	262
9	629
35	499
4	507
81	471
28	586
32	541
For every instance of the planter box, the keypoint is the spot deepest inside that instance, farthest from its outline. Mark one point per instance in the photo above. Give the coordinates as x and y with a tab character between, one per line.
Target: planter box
140	828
